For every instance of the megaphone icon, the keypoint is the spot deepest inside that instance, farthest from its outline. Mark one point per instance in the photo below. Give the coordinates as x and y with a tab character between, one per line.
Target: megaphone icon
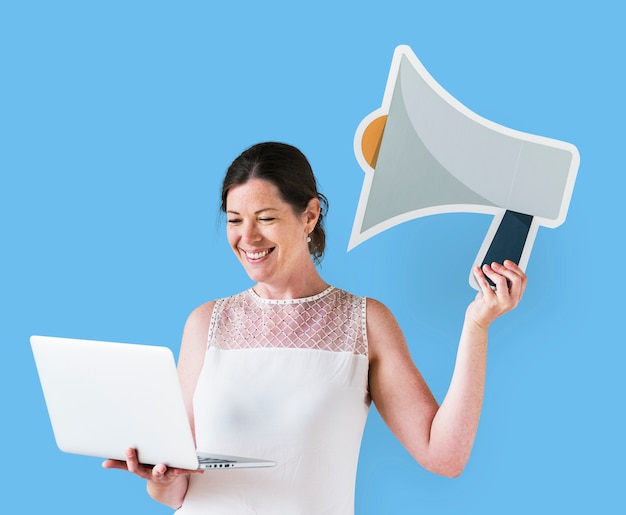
425	153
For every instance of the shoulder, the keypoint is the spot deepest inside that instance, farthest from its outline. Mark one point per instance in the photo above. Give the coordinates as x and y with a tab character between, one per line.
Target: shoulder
193	345
202	310
343	297
383	332
199	320
376	311
379	316
201	315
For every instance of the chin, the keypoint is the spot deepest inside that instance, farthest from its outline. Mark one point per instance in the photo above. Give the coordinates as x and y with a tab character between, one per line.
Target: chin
255	274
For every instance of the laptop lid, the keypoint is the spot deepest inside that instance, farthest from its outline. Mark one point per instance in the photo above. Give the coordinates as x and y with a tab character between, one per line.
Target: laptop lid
105	397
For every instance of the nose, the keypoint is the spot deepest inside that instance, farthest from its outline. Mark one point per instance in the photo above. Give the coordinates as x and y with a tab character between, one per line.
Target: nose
250	232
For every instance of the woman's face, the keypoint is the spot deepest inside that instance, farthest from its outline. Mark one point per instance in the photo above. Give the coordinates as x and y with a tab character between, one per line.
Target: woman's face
266	235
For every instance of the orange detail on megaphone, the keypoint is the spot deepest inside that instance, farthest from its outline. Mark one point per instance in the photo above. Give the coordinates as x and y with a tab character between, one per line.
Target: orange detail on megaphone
372	138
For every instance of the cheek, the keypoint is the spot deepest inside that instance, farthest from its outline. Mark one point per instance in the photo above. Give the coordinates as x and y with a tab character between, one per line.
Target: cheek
232	237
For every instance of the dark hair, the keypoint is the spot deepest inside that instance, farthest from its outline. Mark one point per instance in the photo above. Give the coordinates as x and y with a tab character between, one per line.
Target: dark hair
289	170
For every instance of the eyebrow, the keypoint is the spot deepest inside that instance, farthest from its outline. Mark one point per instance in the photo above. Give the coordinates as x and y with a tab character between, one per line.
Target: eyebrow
258	212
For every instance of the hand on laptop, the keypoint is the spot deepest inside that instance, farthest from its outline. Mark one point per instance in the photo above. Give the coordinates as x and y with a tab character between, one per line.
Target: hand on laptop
158	473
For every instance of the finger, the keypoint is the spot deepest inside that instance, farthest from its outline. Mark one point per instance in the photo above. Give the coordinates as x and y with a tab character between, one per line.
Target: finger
131	461
515	268
162	472
114	464
483	284
510	268
515	275
134	466
159	472
500	281
511	265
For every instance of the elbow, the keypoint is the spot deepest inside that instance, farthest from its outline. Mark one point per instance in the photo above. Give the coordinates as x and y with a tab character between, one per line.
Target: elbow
450	468
444	459
453	473
455	466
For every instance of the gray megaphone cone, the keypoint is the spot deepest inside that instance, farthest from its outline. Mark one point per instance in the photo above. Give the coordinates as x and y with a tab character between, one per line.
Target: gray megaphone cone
425	153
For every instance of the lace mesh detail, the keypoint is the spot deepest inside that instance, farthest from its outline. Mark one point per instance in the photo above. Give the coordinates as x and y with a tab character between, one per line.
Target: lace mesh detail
333	320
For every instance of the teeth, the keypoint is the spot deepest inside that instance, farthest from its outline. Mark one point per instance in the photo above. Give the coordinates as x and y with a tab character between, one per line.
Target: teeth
257	255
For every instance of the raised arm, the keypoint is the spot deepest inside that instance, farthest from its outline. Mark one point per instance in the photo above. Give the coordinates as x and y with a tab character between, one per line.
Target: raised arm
169	485
439	437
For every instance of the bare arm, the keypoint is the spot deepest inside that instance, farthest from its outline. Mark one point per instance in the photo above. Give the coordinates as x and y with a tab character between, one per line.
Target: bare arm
192	351
169	485
439	437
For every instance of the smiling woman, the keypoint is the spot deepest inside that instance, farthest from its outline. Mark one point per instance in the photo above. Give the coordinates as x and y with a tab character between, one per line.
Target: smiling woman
287	369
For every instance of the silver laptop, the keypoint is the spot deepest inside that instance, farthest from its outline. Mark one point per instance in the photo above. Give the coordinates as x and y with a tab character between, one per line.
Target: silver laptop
106	397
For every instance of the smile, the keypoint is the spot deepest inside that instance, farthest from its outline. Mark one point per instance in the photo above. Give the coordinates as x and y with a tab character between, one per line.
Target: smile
257	255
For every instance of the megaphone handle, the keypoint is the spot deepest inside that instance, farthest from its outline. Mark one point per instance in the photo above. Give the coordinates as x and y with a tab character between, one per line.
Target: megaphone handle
509	239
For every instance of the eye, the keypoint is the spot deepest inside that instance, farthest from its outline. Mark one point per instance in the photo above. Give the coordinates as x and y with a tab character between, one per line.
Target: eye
233	221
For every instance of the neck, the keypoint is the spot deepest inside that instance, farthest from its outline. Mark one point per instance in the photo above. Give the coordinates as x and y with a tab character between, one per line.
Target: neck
298	288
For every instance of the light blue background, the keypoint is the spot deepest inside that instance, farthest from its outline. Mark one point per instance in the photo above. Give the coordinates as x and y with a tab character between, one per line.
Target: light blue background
117	121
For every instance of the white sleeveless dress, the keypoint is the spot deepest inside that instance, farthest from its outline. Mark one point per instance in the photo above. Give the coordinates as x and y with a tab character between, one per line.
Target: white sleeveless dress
285	381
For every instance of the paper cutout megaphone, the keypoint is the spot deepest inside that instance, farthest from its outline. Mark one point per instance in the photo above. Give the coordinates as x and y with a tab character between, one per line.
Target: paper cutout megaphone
425	153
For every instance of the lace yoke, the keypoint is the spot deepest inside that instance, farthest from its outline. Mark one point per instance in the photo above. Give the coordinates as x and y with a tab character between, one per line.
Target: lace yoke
333	320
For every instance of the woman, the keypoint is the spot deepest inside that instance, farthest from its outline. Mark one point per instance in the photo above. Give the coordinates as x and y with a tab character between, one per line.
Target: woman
287	369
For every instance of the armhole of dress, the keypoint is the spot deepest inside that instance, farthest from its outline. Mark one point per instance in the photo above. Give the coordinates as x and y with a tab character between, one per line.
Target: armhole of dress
364	326
217	308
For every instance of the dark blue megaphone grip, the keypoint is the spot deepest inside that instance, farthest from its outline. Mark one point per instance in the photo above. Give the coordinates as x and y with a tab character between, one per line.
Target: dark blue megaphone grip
509	240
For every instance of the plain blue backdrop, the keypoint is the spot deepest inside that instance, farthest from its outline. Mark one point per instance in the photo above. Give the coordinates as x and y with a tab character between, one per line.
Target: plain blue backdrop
117	121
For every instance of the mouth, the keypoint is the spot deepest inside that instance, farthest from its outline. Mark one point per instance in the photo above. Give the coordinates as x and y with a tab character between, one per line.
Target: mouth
258	254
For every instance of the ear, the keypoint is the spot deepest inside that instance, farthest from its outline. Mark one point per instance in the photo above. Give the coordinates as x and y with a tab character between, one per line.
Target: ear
312	213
